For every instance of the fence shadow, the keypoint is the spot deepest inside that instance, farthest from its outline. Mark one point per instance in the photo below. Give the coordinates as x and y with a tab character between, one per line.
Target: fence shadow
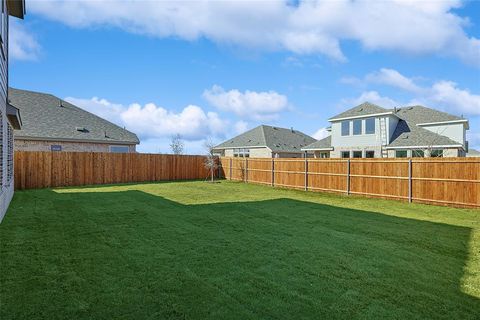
135	255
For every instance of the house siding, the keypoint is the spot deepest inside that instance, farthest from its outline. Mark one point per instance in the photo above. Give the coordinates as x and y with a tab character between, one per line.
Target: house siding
454	131
6	184
38	145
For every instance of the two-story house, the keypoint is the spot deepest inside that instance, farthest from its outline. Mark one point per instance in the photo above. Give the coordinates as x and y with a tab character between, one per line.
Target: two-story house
370	131
9	115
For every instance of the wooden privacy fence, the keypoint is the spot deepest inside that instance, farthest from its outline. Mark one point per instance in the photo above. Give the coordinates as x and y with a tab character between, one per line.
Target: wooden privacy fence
445	181
60	169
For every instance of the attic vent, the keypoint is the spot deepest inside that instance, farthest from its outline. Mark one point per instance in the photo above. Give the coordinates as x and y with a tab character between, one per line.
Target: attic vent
360	110
60	103
410	108
405	137
275	128
81	129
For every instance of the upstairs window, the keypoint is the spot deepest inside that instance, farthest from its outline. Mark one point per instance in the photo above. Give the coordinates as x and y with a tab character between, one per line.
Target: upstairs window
345	128
370	126
357	127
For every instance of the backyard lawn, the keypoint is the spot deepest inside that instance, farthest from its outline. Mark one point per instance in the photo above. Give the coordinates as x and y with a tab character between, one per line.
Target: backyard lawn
196	250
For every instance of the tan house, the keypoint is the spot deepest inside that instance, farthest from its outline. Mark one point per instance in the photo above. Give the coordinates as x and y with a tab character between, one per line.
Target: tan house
52	124
266	142
9	116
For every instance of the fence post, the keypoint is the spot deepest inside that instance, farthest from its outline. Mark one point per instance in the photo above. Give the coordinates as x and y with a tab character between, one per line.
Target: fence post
348	177
231	168
410	181
246	169
273	172
306	172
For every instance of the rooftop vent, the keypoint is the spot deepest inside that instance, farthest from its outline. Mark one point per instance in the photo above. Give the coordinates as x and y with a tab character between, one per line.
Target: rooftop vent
291	129
60	103
360	110
81	129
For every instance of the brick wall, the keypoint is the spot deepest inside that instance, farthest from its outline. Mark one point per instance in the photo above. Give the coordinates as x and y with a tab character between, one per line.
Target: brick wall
34	145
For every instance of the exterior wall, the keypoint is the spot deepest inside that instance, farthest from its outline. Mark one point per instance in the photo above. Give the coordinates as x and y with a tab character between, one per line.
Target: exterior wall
363	140
447	153
33	145
337	152
6	185
455	131
254	152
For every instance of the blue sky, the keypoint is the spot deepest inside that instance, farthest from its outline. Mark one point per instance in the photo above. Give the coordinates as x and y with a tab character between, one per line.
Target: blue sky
215	70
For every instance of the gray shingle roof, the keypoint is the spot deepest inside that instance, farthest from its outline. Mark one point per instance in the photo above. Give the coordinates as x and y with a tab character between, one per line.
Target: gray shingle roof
420	114
408	134
43	117
277	139
324	143
363	109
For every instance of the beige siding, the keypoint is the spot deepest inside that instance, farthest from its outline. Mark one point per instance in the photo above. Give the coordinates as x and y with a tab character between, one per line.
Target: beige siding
34	145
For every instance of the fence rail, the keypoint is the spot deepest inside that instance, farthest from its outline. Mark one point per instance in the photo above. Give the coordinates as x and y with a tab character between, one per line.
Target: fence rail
60	169
445	181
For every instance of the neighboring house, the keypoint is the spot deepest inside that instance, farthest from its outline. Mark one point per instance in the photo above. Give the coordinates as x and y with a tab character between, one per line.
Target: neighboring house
370	131
52	124
473	153
266	142
9	115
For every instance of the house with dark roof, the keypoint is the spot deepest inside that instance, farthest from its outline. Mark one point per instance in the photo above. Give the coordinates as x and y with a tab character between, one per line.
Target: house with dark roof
266	142
370	131
52	124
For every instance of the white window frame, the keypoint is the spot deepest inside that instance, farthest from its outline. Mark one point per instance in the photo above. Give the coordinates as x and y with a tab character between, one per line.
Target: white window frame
357	121
342	127
374	126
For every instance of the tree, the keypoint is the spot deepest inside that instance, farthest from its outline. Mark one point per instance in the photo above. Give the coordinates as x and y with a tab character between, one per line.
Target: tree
177	145
210	159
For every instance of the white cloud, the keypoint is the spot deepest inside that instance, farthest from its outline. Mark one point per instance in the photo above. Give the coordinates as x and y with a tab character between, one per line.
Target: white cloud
310	27
321	133
444	95
22	44
393	78
154	122
248	104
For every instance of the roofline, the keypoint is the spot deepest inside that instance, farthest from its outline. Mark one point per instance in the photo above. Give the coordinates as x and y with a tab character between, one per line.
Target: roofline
13	115
318	149
223	148
427	147
16	8
362	116
17	137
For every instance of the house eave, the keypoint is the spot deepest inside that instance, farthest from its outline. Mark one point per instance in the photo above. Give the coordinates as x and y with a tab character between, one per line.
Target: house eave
362	116
16	8
427	147
13	115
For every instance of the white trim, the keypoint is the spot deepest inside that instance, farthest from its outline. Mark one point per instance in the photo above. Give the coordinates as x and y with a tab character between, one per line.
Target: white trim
74	140
442	122
318	149
427	147
362	116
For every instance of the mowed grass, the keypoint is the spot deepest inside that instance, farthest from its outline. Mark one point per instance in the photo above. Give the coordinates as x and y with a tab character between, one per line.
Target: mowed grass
196	250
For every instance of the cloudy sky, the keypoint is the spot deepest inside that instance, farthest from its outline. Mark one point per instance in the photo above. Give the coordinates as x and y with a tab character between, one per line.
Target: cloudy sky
212	69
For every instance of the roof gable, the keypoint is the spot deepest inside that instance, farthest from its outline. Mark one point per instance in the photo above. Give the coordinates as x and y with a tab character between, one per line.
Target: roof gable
363	109
325	143
45	116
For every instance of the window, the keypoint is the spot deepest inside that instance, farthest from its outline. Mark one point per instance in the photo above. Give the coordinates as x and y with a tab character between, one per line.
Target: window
438	153
345	154
418	153
119	149
357	127
9	153
243	153
401	154
345	128
55	147
369	154
357	154
324	155
370	126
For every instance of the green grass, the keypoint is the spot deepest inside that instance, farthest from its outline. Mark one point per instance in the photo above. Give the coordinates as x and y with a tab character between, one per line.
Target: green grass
195	250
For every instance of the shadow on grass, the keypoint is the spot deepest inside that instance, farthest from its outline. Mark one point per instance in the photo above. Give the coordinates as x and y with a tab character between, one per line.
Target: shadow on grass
122	255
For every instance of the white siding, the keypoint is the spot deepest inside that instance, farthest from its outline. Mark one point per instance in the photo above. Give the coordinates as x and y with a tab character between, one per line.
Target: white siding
455	131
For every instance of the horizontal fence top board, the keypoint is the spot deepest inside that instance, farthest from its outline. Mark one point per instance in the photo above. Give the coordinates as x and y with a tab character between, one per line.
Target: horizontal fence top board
445	181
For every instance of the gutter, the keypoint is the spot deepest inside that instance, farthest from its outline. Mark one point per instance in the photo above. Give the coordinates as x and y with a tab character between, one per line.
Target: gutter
13	115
